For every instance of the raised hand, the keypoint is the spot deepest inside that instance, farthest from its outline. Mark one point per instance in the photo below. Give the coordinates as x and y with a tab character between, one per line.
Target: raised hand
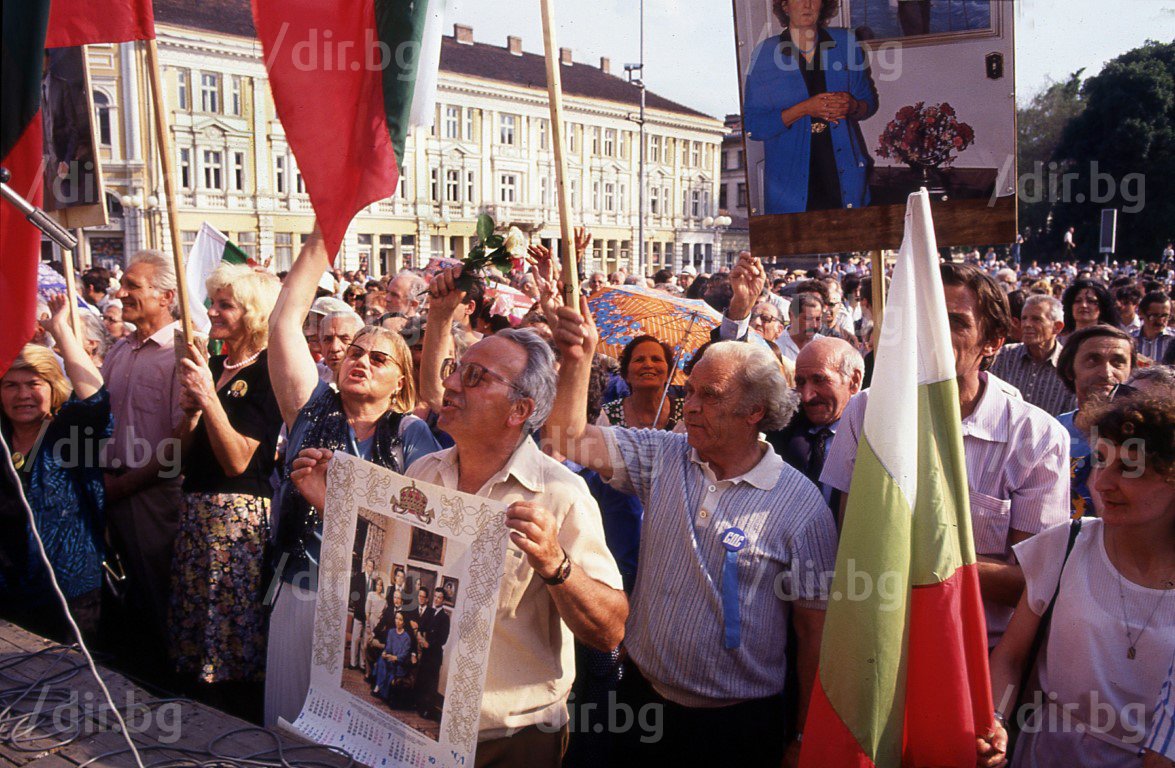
575	332
747	280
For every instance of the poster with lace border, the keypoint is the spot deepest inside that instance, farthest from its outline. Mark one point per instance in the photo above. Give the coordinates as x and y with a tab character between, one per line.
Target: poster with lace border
415	698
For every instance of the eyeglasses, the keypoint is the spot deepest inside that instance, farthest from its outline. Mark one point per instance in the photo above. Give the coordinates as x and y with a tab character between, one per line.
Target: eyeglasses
378	359
472	374
766	318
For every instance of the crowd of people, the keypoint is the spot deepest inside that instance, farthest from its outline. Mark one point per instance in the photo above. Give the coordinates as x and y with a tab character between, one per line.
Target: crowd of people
179	489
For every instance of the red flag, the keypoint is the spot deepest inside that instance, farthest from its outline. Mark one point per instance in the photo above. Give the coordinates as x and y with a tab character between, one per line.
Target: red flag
20	243
82	22
343	75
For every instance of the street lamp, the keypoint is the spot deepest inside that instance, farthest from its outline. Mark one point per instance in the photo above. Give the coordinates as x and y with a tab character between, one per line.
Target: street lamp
144	206
639	82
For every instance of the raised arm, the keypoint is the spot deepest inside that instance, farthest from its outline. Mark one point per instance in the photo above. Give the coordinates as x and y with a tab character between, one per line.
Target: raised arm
79	367
445	299
291	366
567	430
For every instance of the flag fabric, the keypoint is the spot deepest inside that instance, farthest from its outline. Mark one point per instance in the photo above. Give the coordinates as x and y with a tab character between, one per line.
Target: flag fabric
83	22
210	249
349	78
21	64
903	677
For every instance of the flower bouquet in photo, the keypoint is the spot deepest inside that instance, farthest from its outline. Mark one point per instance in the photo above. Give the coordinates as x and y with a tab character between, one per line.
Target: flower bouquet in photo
499	251
925	138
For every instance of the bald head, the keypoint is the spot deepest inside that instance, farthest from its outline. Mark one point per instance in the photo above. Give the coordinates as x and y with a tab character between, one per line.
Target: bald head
828	373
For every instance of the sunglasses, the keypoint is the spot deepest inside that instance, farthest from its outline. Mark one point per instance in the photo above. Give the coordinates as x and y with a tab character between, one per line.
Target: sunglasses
378	359
765	318
473	374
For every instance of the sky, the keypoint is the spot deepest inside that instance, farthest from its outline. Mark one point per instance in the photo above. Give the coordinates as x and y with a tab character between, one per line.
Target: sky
689	44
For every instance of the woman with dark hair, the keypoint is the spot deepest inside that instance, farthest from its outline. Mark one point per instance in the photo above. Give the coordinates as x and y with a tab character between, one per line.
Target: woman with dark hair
1086	303
1111	584
806	91
645	368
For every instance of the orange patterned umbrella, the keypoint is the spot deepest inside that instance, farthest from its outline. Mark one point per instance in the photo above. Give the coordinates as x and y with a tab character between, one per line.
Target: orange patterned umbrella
624	312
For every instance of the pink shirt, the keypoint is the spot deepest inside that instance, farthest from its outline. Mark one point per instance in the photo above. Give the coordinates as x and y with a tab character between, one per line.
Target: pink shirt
1017	472
144	399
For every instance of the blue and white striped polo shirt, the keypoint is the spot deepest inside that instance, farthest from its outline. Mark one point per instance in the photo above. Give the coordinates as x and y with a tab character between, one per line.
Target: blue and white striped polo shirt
675	622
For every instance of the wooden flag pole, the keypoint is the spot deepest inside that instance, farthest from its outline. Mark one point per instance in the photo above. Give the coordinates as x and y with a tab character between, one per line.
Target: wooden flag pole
71	292
166	161
877	270
555	97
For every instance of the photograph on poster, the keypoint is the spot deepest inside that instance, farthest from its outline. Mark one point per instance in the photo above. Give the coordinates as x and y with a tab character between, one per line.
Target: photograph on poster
70	170
398	644
851	105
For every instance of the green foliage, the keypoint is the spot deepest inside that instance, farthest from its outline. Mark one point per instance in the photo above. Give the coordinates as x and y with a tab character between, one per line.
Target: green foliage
490	252
1128	128
1039	127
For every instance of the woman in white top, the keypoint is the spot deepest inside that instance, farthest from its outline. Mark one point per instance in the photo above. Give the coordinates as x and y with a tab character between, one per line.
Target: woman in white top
1112	633
376	602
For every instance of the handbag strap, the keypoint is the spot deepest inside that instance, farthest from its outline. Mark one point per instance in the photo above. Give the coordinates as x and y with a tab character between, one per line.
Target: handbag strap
1047	617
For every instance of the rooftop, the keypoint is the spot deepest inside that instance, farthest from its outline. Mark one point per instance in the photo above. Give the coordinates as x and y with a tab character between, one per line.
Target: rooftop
460	55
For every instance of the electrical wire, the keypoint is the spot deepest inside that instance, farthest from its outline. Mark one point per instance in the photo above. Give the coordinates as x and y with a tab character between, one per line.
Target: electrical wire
39	711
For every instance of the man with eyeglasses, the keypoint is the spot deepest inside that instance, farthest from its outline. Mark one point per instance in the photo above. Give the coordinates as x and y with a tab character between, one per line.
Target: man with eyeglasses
1154	337
561	582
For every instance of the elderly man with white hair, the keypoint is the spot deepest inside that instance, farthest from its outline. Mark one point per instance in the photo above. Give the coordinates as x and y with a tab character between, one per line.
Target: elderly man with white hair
404	293
143	484
735	545
1031	366
561	582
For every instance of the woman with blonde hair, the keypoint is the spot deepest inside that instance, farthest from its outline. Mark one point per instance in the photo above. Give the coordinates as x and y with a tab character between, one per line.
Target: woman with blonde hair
231	422
368	415
55	438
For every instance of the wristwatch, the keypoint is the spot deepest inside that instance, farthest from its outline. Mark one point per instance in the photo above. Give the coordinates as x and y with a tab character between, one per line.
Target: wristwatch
561	573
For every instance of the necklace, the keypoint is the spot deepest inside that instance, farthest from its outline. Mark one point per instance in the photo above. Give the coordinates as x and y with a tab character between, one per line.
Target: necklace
1132	641
234	366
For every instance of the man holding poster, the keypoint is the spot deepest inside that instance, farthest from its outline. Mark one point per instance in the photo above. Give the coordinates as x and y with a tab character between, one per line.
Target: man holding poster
561	583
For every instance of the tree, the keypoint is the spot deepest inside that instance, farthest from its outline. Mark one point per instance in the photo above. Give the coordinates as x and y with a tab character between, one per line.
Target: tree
1121	152
1039	127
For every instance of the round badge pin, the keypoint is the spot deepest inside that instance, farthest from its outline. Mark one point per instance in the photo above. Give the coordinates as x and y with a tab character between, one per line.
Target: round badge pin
238	389
734	539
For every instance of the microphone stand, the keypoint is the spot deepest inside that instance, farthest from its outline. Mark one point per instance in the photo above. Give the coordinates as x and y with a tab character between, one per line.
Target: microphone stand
37	217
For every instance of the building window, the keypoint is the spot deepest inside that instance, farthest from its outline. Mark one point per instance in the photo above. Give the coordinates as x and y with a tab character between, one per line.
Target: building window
283	250
654	149
187	240
238	171
572	138
722	196
452	186
544	191
248	243
234	95
185	165
299	182
181	79
610	142
452	122
655	200
622	197
469	124
595	139
210	92
212	168
542	134
595	195
387	253
279	176
434	185
506	128
573	193
102	117
742	160
695	148
695	206
470	187
507	187
742	195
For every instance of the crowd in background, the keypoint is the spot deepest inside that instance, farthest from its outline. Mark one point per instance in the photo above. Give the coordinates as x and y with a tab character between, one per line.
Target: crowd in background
185	517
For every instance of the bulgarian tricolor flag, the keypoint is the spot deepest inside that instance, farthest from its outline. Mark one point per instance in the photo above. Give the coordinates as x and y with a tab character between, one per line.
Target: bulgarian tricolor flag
210	249
349	78
903	677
